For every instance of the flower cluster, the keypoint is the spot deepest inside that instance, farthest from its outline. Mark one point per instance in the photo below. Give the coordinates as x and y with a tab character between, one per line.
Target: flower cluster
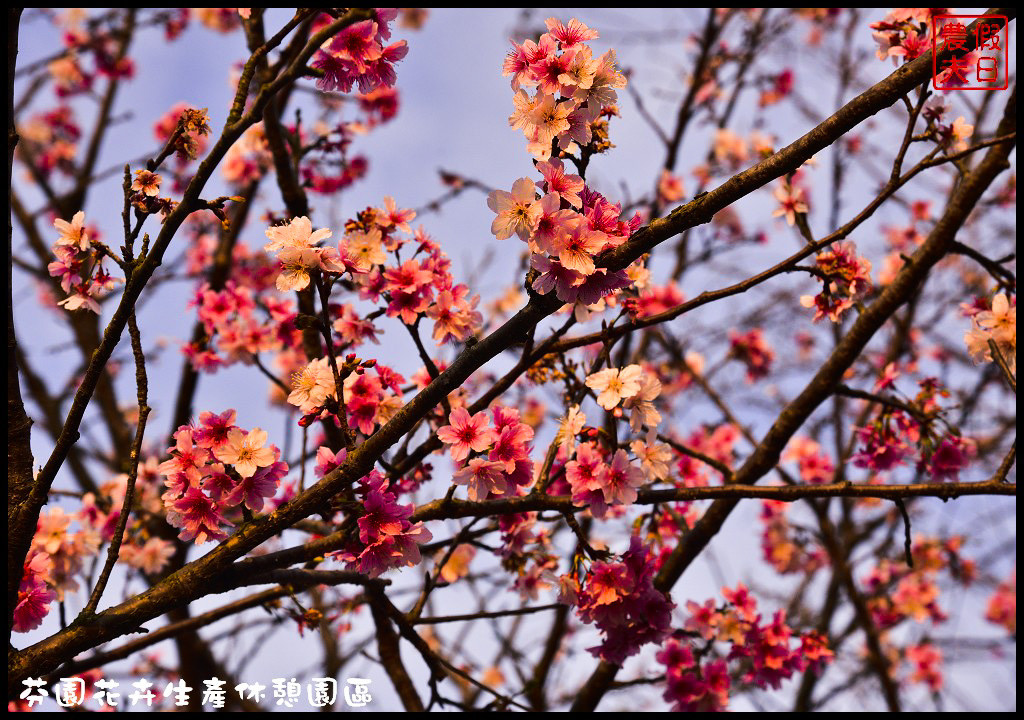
760	651
357	55
507	465
34	595
655	299
847	276
235	331
815	465
79	265
389	540
1002	606
565	229
567	225
214	468
70	71
222	20
945	460
717	444
601	479
621	600
420	286
370	400
785	548
883	443
573	88
778	88
896	434
328	166
249	158
48	141
57	554
185	128
898	592
753	351
904	33
926	664
902	241
299	251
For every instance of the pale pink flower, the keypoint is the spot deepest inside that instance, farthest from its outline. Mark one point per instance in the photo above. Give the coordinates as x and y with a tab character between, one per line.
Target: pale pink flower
34	596
297	263
186	459
74	232
454	318
51	530
517	210
197	516
518	64
790	201
298	233
569	427
567	187
541	119
150	558
570	34
457	565
80	300
998	324
580	73
607	79
365	249
670	188
254	490
641	405
312	386
654	456
614	384
579	130
551	226
553	276
730	149
246	452
483	477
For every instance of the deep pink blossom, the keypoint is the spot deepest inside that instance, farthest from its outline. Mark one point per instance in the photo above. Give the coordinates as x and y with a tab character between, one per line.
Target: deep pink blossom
197	516
465	433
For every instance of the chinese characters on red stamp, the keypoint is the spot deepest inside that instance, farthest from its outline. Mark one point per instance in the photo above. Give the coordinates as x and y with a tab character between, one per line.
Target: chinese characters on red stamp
986	67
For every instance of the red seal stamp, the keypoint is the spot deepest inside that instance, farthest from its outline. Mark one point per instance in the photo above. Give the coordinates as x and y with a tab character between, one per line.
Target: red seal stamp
985	67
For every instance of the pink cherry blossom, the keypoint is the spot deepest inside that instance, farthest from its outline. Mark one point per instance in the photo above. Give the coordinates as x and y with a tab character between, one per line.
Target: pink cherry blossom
483	478
245	451
465	433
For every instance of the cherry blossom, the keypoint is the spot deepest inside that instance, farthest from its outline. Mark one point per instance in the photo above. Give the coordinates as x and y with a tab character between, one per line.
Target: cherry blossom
998	324
466	433
791	202
245	451
312	386
517	211
614	384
